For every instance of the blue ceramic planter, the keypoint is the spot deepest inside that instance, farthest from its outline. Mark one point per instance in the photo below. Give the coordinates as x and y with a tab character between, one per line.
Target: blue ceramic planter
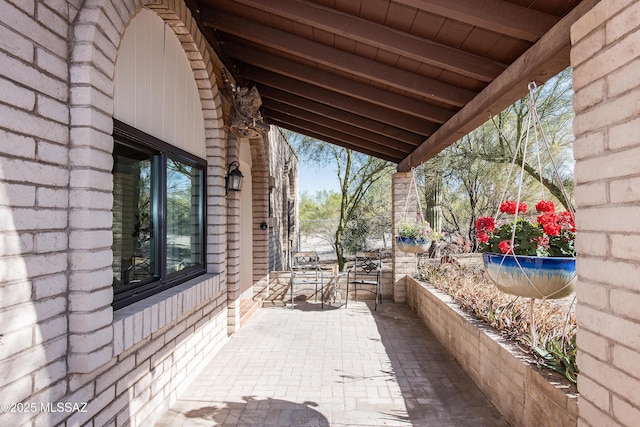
530	276
414	246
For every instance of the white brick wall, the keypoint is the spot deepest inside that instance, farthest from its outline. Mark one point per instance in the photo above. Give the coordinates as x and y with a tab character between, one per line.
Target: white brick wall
61	339
33	205
605	51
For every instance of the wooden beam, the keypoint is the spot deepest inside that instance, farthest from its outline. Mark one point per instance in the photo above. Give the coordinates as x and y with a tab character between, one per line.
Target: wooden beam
337	100
336	134
335	58
269	95
374	34
271	107
542	61
339	143
342	85
494	15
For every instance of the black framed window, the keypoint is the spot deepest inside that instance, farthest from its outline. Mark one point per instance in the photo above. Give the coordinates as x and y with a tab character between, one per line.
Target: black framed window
158	215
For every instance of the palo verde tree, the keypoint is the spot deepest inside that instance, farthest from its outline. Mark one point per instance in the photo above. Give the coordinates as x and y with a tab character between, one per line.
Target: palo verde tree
356	174
318	214
470	175
497	140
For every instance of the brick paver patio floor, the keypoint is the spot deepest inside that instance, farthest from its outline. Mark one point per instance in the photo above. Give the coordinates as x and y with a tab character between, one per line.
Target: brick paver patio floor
333	367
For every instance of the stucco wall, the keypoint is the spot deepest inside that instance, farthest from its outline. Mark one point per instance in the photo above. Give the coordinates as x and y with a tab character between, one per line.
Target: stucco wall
605	57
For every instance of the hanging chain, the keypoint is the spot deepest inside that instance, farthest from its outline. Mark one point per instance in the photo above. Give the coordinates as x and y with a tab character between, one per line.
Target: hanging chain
413	185
534	123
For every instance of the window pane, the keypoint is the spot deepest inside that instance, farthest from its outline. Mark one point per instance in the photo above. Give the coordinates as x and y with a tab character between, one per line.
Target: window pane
184	216
133	243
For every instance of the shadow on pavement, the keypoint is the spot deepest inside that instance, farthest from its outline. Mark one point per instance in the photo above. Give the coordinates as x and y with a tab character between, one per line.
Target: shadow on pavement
258	412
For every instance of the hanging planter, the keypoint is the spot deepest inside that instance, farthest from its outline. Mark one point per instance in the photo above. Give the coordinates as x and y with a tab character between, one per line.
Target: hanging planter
530	259
415	237
532	276
526	257
412	245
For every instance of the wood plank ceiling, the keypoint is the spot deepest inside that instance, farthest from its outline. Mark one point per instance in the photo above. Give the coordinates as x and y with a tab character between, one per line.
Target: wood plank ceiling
399	80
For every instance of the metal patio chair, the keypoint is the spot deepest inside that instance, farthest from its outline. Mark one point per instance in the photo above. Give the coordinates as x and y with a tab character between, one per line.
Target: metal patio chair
366	274
305	273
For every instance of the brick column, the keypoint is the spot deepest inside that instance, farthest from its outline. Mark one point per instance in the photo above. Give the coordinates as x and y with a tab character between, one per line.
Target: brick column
403	264
90	282
604	56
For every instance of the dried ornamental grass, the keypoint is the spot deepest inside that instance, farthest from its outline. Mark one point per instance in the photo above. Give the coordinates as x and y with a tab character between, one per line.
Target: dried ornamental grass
475	293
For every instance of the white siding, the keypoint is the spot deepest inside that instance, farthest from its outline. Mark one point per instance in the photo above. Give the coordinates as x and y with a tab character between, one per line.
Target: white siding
155	90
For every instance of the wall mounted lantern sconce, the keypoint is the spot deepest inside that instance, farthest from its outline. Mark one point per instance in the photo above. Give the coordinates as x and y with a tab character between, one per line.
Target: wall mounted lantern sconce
233	180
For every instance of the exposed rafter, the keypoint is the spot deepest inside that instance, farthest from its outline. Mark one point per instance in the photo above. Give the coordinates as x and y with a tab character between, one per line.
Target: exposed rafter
339	84
323	110
389	39
337	134
274	109
496	15
331	57
340	142
396	79
343	102
545	59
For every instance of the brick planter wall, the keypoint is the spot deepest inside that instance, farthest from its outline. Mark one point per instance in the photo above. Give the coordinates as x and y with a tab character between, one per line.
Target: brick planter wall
523	394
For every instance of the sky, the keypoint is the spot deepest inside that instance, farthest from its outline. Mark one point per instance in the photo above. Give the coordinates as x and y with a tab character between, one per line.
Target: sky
313	179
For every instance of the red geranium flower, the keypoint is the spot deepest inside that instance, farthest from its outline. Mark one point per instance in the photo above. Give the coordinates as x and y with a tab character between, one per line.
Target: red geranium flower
505	246
485	223
553	234
510	207
549	222
545	206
